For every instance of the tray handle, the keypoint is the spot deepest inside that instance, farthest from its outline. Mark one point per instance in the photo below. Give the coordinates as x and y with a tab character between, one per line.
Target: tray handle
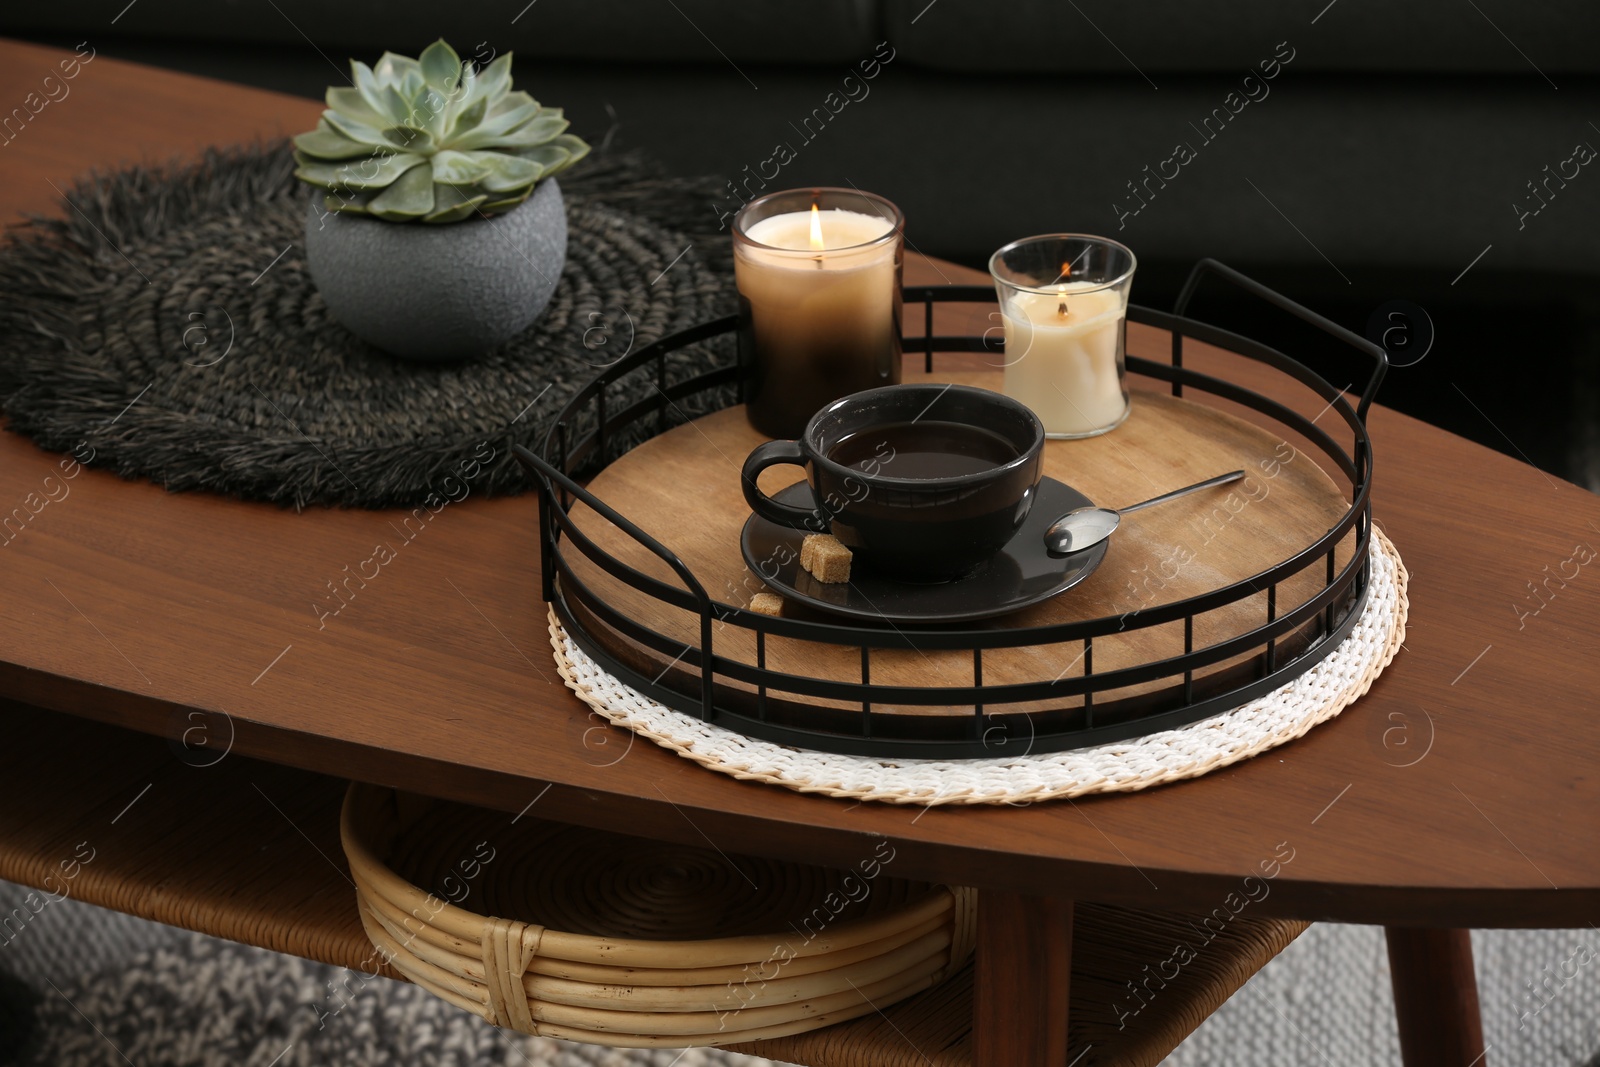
1282	302
550	477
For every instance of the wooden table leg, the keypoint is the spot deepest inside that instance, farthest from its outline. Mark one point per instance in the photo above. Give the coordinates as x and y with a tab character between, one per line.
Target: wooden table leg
1435	997
1021	971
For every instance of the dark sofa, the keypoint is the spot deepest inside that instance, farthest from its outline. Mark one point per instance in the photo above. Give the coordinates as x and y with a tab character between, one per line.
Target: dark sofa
1348	153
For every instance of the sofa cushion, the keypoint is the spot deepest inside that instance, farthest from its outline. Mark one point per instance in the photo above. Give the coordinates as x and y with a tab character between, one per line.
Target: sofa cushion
1163	36
716	32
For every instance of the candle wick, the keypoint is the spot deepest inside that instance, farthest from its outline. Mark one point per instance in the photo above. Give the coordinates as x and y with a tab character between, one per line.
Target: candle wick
1061	308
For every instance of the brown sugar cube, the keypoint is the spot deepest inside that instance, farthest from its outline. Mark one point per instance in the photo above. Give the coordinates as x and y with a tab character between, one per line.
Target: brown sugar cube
807	549
767	604
824	556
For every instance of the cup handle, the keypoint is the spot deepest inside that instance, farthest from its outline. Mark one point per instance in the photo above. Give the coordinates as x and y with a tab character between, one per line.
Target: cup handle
768	455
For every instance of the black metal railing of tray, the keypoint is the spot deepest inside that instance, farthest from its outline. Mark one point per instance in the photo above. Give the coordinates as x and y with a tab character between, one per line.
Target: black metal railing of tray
637	397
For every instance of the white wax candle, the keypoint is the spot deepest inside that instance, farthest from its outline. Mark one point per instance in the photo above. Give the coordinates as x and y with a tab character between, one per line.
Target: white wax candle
1066	365
821	311
818	230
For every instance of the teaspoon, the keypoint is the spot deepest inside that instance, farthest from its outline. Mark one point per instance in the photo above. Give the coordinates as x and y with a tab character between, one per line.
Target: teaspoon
1084	528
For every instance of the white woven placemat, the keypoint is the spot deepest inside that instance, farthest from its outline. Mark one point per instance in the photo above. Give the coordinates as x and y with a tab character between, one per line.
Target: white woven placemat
1125	766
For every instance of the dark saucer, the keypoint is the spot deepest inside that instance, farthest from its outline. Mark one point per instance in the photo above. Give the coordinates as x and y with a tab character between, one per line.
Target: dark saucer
1018	576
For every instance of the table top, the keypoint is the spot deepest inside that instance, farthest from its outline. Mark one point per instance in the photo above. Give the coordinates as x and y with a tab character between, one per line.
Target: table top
1460	791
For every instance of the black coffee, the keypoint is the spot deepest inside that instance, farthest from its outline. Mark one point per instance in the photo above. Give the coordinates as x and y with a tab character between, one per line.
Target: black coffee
926	448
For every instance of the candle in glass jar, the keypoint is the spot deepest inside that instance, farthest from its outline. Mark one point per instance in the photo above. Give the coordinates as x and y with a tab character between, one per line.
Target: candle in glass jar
819	297
1064	301
1064	356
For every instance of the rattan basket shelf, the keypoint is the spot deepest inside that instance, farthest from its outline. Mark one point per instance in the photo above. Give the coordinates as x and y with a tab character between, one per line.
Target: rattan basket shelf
571	933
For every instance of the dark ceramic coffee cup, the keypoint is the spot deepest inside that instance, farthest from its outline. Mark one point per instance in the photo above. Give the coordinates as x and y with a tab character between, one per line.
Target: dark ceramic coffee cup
917	528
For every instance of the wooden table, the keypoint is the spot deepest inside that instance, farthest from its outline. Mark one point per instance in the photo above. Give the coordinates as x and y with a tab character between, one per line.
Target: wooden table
161	613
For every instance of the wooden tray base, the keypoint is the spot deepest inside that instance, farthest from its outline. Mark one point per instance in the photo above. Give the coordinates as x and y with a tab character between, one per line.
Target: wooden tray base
682	487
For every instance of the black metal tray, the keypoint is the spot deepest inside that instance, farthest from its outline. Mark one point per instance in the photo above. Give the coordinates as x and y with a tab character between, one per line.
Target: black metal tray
618	406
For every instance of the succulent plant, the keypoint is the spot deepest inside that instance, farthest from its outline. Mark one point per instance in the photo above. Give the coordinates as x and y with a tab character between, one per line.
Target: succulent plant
432	139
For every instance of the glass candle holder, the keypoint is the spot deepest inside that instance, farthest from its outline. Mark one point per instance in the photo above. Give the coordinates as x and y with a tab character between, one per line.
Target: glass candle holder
818	274
1064	305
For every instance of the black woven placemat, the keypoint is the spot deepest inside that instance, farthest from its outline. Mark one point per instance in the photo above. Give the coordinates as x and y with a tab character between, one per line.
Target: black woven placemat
167	325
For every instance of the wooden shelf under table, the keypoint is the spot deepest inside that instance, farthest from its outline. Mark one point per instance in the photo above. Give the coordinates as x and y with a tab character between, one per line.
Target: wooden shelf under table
249	851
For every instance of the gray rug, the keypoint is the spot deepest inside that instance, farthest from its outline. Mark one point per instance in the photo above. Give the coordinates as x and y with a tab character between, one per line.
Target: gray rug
1326	1000
165	327
84	987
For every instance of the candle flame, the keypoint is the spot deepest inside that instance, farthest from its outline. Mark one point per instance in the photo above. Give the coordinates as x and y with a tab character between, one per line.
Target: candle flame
1061	290
816	227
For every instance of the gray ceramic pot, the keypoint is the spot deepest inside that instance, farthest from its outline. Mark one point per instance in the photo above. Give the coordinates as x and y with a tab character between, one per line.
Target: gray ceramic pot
439	292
